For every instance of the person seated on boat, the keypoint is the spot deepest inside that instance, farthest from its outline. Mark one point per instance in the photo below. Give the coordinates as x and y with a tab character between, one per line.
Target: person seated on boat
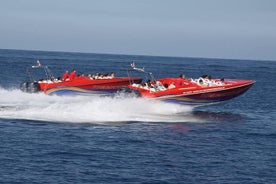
180	80
99	76
82	76
65	76
91	76
73	74
151	83
154	86
104	75
112	75
109	76
142	85
148	84
159	86
172	85
204	80
200	82
220	82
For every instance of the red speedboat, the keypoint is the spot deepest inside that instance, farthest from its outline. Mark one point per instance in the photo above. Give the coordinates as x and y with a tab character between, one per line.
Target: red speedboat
92	84
203	90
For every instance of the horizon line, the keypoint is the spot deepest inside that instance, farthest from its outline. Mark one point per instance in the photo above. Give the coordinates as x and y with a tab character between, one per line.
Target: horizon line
141	55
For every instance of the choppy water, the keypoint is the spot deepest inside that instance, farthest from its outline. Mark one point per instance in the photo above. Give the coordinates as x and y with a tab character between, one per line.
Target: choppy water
53	139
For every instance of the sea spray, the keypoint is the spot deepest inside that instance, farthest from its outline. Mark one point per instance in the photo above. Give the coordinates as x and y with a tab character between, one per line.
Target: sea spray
85	109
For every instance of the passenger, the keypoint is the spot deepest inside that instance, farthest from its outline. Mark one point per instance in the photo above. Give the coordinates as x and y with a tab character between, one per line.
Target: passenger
160	86
101	76
220	82
179	81
148	83
108	76
104	75
200	82
153	83
90	76
171	86
112	75
73	74
65	76
97	76
82	76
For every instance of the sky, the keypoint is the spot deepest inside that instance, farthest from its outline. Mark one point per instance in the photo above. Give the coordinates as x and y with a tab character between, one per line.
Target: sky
232	29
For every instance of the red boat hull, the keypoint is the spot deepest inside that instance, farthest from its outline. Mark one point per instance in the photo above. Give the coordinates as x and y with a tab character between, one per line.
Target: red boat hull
85	85
190	93
71	83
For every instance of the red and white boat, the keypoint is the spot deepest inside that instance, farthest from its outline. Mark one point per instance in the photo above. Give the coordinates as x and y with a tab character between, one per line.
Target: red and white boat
78	85
203	90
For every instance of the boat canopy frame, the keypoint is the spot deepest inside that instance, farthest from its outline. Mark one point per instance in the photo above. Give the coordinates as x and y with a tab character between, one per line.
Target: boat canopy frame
141	70
48	73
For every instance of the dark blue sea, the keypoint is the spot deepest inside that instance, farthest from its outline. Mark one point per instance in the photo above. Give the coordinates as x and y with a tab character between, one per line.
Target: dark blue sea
102	139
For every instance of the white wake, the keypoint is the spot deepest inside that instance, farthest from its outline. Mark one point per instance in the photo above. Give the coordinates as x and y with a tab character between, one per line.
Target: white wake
15	104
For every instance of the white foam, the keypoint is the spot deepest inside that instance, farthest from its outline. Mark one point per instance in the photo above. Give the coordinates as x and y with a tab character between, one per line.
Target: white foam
89	109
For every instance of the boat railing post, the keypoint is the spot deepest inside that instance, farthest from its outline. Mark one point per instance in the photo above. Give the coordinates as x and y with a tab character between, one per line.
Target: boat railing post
152	76
29	72
48	73
131	81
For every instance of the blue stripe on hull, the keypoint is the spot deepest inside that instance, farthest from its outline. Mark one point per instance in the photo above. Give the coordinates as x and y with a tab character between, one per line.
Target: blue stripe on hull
76	91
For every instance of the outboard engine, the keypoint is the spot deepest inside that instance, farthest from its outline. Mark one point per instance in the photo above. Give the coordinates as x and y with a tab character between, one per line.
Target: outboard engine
30	87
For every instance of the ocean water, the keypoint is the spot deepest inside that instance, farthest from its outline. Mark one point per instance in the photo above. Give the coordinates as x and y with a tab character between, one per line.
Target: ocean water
91	139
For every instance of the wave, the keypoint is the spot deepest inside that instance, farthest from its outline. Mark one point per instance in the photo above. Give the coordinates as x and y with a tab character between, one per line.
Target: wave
88	109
